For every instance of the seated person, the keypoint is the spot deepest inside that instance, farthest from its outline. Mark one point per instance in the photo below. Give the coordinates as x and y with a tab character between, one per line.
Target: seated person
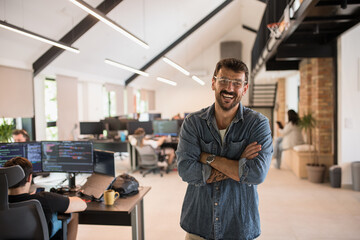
140	140
291	136
176	117
52	203
20	135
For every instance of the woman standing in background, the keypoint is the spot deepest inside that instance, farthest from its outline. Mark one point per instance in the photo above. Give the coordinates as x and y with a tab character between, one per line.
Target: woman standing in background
291	136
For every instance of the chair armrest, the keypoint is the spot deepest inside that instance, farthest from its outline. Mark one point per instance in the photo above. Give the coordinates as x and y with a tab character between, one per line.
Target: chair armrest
63	217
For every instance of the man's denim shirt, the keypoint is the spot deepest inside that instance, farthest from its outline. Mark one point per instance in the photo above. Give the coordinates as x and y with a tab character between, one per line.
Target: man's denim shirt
227	209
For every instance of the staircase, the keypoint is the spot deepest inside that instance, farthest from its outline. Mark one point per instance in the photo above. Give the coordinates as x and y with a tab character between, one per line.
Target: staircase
263	95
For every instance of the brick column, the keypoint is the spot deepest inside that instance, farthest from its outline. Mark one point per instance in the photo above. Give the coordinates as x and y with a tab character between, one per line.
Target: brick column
317	96
280	102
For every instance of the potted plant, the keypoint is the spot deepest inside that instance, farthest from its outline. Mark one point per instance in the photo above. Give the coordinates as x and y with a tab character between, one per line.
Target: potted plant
6	131
315	170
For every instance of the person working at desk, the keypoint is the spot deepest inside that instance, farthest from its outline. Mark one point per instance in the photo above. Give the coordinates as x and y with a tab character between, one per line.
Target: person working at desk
224	152
52	203
139	135
20	135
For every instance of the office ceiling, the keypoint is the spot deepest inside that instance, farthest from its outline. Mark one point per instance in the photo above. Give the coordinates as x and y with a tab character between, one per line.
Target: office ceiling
160	23
313	32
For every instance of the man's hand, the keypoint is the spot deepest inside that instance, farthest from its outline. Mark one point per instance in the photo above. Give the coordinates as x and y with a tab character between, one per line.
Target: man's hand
251	151
216	176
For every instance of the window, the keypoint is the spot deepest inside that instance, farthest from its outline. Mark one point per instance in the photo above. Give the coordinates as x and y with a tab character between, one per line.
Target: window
141	105
109	103
51	109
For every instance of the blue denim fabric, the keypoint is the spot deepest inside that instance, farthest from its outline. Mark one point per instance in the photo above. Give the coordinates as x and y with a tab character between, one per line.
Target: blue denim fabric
227	209
56	224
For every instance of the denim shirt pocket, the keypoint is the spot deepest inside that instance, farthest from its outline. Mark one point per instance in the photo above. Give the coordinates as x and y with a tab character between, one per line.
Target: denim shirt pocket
235	149
208	147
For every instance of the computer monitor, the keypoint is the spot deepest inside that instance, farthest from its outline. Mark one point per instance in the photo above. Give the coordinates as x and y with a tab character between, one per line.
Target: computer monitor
154	116
67	156
147	126
115	124
165	128
28	150
180	122
104	162
94	128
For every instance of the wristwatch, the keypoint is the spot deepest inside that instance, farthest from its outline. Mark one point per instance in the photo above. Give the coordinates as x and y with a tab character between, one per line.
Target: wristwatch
210	159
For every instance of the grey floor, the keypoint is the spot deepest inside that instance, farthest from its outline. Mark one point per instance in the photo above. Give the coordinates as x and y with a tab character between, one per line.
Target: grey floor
290	208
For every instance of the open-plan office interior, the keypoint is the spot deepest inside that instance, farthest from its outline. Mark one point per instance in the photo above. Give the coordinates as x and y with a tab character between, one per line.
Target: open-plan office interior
123	63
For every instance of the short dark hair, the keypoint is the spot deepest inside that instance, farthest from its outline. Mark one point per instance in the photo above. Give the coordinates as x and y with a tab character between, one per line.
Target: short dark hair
24	164
22	132
139	131
293	117
233	64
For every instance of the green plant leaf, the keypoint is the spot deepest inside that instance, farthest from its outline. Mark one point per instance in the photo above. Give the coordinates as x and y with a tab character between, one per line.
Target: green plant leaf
6	131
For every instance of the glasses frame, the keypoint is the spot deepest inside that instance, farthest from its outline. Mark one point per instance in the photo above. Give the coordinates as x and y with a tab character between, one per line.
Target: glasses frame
237	83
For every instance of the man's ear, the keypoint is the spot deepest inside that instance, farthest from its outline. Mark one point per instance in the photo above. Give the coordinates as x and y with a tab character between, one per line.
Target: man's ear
213	83
29	178
245	89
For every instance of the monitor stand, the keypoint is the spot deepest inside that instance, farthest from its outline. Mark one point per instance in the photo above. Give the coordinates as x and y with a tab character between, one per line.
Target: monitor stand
72	182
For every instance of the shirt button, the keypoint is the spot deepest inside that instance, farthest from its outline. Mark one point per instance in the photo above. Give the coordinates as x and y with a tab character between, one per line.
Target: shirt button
216	204
217	188
217	219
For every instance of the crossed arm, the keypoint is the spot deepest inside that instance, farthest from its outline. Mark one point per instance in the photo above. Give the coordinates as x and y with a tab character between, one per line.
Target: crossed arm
223	168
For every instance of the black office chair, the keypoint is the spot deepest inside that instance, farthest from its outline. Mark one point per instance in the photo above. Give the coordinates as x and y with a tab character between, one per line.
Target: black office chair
23	220
148	159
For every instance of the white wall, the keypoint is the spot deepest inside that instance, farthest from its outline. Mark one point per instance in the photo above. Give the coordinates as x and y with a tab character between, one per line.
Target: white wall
348	99
39	99
67	107
291	92
192	96
91	103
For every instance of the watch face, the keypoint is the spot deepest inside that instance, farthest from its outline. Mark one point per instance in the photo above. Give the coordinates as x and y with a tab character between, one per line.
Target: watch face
210	159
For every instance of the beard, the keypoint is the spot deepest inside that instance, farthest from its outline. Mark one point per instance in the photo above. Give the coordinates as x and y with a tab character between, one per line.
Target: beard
222	102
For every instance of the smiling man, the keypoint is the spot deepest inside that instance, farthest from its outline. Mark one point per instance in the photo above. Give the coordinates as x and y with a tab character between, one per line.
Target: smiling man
224	152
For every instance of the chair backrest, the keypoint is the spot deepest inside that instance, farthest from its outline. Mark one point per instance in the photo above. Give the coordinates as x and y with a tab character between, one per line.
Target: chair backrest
147	156
22	220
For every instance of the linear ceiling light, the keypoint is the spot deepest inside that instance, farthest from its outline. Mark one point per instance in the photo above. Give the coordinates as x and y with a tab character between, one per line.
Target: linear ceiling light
37	37
178	67
166	81
119	65
196	79
102	17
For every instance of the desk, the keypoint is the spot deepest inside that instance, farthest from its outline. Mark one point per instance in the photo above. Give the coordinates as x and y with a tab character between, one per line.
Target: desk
111	146
125	212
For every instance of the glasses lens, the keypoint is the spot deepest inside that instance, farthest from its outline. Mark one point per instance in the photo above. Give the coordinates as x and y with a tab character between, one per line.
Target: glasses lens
225	81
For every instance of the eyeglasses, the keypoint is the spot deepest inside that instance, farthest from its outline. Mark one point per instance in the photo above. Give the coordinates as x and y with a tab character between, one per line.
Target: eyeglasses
235	82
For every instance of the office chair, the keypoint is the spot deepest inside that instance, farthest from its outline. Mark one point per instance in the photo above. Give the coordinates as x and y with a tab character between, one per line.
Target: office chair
22	220
148	159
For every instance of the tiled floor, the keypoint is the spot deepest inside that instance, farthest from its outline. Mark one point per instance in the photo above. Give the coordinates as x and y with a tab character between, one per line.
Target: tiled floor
289	208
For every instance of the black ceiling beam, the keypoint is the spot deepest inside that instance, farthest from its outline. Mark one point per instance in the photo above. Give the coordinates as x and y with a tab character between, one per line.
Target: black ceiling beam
286	52
249	28
179	40
332	19
337	2
74	34
273	65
